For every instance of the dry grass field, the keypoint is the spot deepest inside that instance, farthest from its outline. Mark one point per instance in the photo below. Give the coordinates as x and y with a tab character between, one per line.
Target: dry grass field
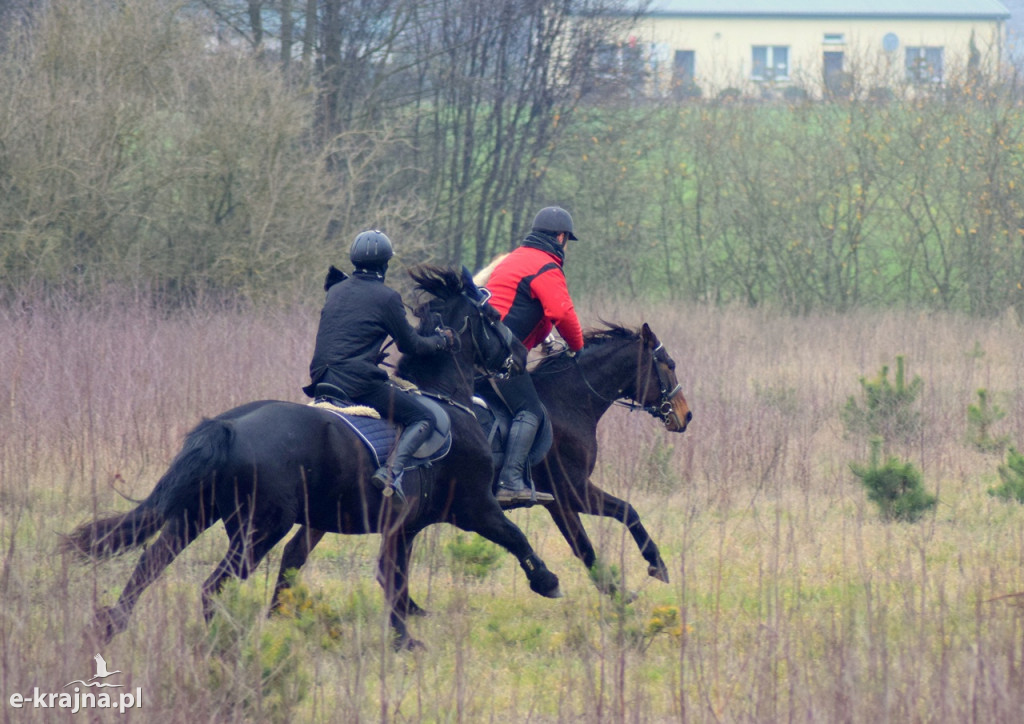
790	599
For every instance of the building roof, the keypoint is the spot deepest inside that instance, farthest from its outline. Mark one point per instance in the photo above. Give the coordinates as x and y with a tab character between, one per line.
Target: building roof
875	9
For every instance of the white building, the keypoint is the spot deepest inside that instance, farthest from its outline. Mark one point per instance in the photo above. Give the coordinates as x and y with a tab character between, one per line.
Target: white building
822	47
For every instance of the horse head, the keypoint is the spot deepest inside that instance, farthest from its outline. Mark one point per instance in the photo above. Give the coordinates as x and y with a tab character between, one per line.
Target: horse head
618	364
665	399
458	303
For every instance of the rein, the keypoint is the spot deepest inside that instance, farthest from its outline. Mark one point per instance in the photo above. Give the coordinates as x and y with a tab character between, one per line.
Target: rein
446	400
662	410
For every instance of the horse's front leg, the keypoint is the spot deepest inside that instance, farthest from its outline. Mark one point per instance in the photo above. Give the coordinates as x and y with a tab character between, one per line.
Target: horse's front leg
571	528
486	518
296	553
612	507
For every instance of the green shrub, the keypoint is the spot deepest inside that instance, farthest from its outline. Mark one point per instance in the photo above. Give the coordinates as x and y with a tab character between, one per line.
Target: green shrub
1012	475
894	487
259	670
888	408
473	556
980	419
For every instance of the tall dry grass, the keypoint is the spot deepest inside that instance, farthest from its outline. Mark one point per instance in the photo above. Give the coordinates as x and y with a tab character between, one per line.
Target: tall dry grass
794	601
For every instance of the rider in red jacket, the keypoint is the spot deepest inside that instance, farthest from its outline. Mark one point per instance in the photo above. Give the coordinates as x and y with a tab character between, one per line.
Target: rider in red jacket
528	288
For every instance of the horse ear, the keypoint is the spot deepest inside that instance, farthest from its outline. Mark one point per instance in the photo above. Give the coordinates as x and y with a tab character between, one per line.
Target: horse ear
647	335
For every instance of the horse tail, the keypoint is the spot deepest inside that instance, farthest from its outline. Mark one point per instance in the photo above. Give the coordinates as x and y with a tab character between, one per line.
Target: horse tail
185	490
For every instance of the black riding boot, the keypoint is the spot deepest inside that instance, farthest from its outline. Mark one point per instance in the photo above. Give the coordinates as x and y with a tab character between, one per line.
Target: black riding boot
389	477
512	485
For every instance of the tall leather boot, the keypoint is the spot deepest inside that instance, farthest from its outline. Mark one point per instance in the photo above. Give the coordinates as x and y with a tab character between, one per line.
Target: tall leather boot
512	484
389	477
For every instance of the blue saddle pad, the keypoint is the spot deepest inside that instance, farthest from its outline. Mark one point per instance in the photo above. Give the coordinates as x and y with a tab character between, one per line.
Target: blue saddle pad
380	435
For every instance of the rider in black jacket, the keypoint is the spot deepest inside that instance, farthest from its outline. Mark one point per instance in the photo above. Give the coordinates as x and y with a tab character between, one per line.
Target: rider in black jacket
360	313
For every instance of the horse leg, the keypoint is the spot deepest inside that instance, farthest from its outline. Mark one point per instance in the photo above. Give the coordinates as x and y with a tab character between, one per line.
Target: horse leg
174	537
392	569
571	527
612	507
294	558
487	519
245	552
403	549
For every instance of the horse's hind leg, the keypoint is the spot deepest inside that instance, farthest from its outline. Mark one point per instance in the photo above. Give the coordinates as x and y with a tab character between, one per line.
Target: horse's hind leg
245	551
392	574
403	549
296	553
174	537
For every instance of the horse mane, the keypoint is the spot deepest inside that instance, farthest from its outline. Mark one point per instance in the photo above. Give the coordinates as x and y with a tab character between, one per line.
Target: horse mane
611	332
437	281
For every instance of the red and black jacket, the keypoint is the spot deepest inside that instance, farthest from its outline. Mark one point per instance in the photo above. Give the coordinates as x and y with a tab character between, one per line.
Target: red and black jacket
529	289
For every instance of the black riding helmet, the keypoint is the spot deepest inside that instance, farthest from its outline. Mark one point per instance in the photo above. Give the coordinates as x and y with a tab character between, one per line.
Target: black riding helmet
554	220
371	250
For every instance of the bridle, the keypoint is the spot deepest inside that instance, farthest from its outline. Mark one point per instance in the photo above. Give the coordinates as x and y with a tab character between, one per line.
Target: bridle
488	325
663	409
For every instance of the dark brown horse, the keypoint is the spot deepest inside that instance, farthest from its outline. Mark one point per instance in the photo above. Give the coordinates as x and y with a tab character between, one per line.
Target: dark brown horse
616	366
265	466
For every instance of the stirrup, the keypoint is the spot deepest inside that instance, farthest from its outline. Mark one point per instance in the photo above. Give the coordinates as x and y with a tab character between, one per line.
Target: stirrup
389	485
522	495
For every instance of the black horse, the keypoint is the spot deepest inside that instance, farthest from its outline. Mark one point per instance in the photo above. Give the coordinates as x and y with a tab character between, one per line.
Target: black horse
616	365
267	465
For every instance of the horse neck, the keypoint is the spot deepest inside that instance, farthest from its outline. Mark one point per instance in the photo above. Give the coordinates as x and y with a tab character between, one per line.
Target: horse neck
610	371
440	374
592	382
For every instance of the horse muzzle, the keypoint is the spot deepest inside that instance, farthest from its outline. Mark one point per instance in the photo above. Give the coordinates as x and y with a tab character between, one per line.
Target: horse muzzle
675	413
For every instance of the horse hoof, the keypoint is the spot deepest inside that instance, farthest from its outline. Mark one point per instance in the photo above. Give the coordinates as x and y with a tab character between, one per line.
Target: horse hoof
659	571
408	643
414	609
555	592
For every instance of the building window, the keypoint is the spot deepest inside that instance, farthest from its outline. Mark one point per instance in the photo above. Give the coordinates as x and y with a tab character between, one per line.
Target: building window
924	64
834	39
684	82
770	62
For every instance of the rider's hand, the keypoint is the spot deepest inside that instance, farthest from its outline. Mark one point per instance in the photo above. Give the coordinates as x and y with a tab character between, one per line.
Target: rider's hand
447	339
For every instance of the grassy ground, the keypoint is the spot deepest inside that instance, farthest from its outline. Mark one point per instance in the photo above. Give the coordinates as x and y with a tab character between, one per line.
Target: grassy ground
790	599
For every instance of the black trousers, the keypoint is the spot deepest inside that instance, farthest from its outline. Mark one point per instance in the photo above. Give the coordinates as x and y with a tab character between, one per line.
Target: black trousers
395	404
520	395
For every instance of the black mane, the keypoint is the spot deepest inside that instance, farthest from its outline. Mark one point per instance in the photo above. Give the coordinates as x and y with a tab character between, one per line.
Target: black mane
437	281
592	338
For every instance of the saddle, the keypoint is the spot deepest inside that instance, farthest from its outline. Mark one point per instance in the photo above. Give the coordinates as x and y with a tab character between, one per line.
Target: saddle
495	418
380	435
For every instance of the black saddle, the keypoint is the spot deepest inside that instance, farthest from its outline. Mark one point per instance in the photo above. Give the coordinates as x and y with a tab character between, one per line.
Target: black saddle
495	418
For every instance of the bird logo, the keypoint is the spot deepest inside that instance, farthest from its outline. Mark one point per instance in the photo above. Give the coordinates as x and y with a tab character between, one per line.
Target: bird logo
101	673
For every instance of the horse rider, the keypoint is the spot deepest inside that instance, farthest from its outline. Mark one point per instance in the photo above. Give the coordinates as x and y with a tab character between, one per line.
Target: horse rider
360	313
528	288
